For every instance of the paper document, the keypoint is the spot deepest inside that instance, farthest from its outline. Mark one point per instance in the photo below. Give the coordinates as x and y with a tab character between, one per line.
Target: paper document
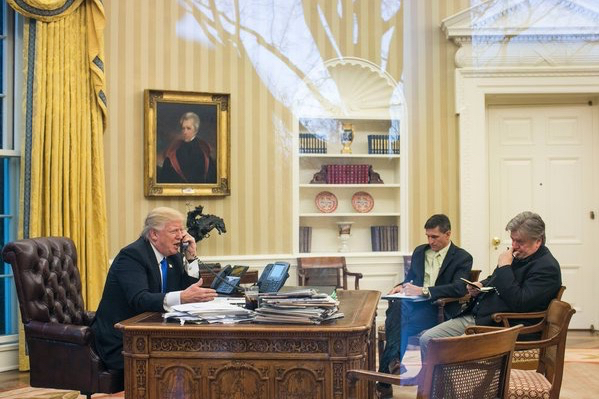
400	295
218	304
482	289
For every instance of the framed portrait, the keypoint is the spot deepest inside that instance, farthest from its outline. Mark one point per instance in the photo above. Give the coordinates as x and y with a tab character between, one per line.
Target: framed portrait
187	144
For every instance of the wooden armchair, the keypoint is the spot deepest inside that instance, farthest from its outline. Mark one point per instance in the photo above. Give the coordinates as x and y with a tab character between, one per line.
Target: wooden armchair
468	366
529	358
325	271
546	380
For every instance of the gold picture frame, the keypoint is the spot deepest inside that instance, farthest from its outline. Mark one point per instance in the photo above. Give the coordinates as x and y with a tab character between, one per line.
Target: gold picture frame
187	144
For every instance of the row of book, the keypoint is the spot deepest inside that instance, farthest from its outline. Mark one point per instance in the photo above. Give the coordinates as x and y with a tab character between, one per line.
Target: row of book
348	174
383	144
305	239
304	306
384	238
312	144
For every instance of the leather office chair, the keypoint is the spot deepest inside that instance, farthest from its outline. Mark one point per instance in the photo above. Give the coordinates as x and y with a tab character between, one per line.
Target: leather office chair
325	271
468	366
59	340
546	380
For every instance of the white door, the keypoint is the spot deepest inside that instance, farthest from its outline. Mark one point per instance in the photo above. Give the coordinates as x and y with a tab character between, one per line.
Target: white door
541	159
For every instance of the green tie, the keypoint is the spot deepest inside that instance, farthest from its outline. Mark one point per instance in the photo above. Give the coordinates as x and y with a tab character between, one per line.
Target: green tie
437	261
429	273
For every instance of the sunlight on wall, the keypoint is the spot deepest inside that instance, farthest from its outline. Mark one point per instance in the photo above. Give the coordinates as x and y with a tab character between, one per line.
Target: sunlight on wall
282	49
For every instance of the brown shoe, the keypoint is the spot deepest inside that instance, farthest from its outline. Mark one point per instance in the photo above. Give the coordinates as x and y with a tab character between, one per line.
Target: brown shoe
384	392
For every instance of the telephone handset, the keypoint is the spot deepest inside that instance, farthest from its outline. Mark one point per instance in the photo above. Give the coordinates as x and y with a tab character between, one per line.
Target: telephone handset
228	279
273	277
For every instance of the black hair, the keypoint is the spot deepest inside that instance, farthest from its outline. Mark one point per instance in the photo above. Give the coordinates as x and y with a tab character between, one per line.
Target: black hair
439	220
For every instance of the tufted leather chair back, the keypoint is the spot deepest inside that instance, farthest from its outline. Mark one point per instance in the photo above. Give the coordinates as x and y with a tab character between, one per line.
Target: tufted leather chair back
48	281
56	324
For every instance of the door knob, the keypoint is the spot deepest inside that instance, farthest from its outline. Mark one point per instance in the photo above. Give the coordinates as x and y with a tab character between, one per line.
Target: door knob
496	241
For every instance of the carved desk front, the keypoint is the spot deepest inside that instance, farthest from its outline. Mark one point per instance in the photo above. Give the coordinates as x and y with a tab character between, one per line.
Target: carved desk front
250	361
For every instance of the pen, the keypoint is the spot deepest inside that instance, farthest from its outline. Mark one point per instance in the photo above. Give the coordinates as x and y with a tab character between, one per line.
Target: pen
410	282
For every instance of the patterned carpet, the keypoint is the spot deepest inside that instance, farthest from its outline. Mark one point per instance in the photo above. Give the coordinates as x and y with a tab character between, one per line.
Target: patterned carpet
411	360
37	393
43	393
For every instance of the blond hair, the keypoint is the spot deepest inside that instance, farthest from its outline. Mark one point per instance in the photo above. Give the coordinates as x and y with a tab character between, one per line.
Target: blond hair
158	217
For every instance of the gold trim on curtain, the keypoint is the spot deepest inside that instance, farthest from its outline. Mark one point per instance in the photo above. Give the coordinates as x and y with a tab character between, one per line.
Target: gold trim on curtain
63	184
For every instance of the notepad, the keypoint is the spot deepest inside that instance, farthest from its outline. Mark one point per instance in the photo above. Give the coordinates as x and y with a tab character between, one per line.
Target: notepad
482	289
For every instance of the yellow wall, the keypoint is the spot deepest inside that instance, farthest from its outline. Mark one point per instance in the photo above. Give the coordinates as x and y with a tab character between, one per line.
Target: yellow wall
143	51
429	76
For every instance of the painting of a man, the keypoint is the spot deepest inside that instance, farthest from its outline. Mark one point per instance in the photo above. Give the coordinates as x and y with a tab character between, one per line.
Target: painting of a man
188	158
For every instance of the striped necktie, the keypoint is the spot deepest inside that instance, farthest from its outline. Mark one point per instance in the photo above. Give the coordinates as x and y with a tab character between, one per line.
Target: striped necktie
163	268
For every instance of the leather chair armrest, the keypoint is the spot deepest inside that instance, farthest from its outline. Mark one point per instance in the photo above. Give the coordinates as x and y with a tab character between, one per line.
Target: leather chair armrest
79	335
89	317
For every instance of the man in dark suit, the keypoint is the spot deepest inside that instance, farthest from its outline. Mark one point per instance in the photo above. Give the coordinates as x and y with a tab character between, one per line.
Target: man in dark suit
435	273
148	275
526	279
188	159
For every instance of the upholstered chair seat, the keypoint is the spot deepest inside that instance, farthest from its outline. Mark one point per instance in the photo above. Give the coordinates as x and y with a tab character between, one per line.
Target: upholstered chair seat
525	384
526	359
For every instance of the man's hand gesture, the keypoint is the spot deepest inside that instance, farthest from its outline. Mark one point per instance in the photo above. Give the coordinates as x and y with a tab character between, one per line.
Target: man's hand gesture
196	293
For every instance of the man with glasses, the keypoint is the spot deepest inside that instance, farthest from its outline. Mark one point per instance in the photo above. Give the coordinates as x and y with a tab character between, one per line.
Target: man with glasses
526	279
149	275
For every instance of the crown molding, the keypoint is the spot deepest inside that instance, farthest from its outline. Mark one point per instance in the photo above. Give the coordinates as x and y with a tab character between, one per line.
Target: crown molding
525	20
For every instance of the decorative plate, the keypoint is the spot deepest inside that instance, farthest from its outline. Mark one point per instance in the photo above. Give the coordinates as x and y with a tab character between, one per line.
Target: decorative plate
326	202
362	202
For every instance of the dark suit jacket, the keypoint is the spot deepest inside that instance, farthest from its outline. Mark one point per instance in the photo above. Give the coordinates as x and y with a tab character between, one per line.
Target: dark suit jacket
188	162
132	287
528	285
457	263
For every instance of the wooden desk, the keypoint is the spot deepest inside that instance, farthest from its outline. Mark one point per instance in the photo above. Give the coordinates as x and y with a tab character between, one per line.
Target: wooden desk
249	361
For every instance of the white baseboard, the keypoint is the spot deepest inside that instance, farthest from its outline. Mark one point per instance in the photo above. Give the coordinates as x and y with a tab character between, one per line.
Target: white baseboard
9	356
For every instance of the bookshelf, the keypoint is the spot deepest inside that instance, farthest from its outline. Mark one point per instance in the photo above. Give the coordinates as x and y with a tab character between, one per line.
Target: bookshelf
390	197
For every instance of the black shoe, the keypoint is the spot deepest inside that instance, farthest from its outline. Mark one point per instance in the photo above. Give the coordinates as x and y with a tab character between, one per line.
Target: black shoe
384	391
397	368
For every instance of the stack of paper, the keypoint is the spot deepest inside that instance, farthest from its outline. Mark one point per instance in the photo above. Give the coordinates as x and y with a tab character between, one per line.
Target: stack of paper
297	307
220	310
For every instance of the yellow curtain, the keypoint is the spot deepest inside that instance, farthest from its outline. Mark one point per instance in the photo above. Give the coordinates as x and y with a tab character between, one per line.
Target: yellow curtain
62	169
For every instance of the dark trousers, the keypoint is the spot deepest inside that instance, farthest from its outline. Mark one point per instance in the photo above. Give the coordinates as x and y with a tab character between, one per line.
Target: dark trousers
404	319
